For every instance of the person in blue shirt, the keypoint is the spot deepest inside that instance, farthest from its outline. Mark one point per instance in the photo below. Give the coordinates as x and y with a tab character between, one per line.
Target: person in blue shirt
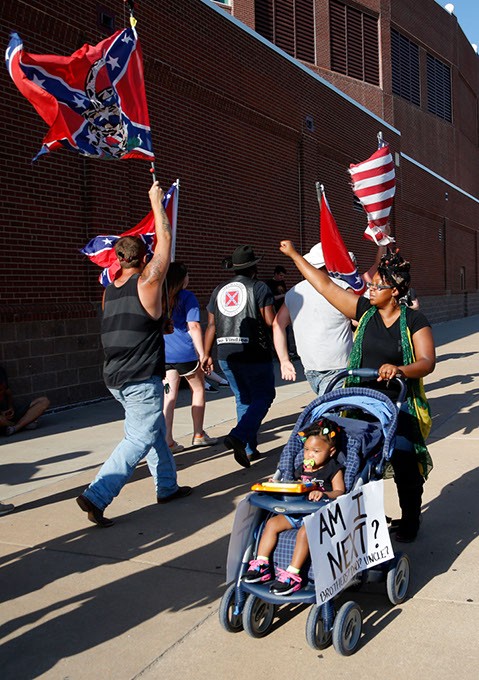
184	352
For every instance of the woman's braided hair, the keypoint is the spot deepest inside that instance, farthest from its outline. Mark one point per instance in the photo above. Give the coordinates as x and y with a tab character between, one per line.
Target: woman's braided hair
394	270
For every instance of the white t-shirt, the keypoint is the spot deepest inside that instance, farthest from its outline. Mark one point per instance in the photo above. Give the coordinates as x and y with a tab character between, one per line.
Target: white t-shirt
323	334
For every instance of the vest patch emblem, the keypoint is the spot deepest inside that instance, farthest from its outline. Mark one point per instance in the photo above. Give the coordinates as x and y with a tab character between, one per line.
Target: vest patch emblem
232	298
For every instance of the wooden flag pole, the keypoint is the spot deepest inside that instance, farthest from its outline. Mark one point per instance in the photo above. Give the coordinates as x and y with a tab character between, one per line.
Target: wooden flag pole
152	170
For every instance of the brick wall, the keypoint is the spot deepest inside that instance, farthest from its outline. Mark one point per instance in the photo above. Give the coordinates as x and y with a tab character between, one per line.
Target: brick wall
228	118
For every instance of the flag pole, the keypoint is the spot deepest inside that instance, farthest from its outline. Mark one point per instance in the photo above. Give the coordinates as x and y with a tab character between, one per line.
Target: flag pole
319	192
380	139
174	220
131	9
152	170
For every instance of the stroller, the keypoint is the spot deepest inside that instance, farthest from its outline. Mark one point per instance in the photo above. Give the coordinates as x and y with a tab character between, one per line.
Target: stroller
368	420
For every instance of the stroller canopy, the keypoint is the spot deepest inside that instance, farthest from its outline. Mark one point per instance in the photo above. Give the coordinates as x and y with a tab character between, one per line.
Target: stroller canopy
360	438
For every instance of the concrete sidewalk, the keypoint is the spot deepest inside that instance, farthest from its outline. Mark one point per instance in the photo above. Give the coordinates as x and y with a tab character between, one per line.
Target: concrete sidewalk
141	598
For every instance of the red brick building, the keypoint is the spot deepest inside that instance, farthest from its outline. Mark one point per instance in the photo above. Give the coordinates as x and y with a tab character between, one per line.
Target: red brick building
249	121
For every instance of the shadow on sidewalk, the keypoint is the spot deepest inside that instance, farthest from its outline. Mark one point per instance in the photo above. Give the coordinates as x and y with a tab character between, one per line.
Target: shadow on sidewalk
18	473
447	418
450	331
450	524
89	616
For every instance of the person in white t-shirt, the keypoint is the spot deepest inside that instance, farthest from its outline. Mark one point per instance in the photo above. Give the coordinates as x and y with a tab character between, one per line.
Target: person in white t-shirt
323	335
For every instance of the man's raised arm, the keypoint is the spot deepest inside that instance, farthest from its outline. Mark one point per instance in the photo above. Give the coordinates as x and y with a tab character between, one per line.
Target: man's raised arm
153	275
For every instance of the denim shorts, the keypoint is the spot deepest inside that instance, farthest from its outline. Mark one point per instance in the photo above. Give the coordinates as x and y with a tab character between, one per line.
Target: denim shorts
296	521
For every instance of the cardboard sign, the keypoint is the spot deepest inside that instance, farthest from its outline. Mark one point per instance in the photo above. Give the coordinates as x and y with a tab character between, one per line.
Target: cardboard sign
346	536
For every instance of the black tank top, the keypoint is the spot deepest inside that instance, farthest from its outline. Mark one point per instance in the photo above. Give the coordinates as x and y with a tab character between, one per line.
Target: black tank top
132	340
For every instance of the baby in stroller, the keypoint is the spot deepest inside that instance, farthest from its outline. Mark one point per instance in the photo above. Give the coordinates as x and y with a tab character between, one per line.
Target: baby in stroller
324	472
353	458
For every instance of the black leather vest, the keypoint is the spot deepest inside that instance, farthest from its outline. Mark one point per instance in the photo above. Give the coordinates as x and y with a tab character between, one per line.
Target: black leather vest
241	333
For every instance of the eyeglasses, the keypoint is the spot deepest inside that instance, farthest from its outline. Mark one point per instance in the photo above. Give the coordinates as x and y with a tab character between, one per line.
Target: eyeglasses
377	286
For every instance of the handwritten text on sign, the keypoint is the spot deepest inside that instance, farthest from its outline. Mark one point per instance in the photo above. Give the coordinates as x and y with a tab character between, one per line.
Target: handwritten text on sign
346	536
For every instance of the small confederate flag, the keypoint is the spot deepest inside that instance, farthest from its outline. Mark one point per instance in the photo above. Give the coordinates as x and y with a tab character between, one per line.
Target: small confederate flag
374	184
100	249
336	257
94	100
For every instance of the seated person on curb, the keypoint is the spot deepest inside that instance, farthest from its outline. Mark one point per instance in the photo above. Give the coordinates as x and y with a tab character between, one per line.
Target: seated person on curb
319	466
13	417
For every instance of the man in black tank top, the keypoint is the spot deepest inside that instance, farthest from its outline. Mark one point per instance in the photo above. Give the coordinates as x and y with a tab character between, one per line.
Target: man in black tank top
134	368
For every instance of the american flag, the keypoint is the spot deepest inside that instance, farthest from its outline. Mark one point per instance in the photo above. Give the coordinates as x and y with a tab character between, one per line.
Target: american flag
374	184
101	251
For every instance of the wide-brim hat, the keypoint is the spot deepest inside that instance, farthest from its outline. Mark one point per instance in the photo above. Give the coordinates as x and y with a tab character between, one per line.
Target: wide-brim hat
244	257
315	256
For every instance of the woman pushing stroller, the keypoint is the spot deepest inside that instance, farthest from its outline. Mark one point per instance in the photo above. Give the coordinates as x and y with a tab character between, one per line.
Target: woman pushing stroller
398	341
321	468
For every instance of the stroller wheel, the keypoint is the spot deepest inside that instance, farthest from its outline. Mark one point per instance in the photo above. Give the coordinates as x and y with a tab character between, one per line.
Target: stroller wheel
230	621
316	635
258	616
347	629
397	580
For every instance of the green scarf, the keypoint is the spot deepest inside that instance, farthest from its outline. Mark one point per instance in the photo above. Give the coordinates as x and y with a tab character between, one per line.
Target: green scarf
417	403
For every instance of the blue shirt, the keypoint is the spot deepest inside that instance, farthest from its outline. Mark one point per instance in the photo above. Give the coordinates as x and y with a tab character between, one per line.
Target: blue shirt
179	346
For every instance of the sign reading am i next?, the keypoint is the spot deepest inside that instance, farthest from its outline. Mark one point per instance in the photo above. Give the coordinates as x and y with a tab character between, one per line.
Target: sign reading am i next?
346	536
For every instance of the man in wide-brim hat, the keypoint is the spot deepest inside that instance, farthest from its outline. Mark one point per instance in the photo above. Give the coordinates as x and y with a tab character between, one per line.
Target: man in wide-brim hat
240	314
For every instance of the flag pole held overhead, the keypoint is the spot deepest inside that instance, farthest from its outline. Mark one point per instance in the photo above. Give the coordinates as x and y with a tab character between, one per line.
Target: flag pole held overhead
153	174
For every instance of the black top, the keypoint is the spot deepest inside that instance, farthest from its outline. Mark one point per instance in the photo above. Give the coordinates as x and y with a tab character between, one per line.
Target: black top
382	345
241	333
323	477
277	288
132	340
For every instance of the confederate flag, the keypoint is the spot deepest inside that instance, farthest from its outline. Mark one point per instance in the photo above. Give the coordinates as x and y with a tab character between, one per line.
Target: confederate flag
336	257
94	100
100	249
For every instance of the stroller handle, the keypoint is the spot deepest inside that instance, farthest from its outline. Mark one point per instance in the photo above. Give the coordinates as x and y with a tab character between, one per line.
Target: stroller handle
369	374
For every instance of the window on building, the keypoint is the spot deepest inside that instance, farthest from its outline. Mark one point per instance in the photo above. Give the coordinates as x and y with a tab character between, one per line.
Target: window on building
439	88
289	24
405	68
354	42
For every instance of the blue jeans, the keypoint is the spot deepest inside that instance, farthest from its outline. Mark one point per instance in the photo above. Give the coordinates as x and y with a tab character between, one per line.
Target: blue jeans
319	380
144	436
253	388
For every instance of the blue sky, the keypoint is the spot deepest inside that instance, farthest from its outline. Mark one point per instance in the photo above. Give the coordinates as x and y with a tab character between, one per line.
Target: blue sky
467	14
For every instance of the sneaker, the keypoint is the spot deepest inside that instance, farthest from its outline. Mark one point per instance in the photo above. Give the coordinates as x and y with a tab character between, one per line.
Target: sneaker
223	383
176	448
203	440
32	426
286	583
10	430
258	571
210	388
5	508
